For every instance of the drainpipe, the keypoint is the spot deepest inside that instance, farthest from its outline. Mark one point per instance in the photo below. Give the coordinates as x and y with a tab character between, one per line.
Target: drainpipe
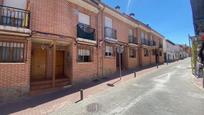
97	34
102	32
98	41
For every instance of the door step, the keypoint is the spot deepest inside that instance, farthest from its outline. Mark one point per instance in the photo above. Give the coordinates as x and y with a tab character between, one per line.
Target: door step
47	84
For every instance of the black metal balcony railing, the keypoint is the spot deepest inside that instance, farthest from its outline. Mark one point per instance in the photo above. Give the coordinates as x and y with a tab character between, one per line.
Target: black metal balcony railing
14	17
85	31
146	42
132	39
143	41
110	33
149	42
154	43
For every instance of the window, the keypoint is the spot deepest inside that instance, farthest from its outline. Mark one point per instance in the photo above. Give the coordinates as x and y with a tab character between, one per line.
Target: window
130	32
84	54
132	52
12	52
15	3
84	19
146	53
109	51
146	35
108	22
142	37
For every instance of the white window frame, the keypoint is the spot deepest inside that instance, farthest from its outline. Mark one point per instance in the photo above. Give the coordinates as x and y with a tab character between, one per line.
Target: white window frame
108	51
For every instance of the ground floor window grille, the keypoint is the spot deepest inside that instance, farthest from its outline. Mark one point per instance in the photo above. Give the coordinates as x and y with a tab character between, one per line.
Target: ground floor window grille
85	54
109	51
11	52
132	52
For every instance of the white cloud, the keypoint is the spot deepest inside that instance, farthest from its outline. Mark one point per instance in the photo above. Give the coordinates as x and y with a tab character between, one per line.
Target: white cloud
128	6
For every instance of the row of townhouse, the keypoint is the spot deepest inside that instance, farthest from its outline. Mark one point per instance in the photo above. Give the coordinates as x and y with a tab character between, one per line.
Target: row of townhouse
53	43
173	52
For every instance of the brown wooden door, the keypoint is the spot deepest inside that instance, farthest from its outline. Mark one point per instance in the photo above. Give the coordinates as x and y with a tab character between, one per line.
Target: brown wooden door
59	64
38	64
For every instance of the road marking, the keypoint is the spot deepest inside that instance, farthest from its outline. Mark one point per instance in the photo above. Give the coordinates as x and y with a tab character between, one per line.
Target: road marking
164	78
120	109
161	79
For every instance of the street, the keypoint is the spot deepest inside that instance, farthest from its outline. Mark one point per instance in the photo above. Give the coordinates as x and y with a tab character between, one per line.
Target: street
168	91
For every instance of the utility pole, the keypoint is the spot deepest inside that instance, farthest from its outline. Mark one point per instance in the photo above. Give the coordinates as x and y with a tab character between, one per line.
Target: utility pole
120	50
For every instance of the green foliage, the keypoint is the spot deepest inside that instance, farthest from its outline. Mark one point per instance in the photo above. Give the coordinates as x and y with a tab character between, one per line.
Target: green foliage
194	55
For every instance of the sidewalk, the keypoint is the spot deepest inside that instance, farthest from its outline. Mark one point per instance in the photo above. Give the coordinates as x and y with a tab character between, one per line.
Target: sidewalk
49	102
199	82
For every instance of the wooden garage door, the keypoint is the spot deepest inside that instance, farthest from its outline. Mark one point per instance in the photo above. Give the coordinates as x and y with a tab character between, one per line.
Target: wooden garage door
59	64
38	64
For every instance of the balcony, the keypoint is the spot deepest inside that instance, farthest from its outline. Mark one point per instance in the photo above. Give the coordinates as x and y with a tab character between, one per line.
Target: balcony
132	40
110	33
148	42
145	42
85	32
14	19
154	43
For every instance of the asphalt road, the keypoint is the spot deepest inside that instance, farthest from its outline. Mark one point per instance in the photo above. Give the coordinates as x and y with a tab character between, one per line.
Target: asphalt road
168	91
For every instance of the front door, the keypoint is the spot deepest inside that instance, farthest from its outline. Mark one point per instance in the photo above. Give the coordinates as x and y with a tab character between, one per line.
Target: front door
119	60
59	64
38	64
157	57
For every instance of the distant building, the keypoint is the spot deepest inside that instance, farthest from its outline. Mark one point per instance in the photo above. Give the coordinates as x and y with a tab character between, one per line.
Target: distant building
173	52
169	51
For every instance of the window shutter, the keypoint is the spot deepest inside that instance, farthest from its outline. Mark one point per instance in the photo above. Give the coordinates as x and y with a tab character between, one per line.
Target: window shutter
108	22
83	18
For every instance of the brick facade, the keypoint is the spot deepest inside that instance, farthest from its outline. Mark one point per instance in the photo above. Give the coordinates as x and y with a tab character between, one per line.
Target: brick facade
15	77
55	21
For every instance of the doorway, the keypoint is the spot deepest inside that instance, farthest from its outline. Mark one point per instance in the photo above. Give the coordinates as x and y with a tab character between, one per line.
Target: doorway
59	69
38	64
157	57
118	61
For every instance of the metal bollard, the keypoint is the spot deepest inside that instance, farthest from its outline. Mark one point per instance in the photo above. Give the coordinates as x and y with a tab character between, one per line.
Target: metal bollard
135	75
81	94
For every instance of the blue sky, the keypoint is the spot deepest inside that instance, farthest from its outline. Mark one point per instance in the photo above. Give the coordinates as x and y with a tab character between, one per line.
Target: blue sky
171	18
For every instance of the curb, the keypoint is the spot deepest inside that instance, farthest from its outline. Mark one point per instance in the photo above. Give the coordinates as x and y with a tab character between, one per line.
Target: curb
195	83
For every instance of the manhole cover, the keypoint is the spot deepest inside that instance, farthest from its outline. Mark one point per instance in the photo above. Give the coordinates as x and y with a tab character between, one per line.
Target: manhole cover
94	107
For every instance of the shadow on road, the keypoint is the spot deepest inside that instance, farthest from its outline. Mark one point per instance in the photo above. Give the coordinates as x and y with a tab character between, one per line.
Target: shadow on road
30	102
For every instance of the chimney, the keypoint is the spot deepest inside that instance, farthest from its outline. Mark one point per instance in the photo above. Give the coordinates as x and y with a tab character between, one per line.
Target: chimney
132	15
117	8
